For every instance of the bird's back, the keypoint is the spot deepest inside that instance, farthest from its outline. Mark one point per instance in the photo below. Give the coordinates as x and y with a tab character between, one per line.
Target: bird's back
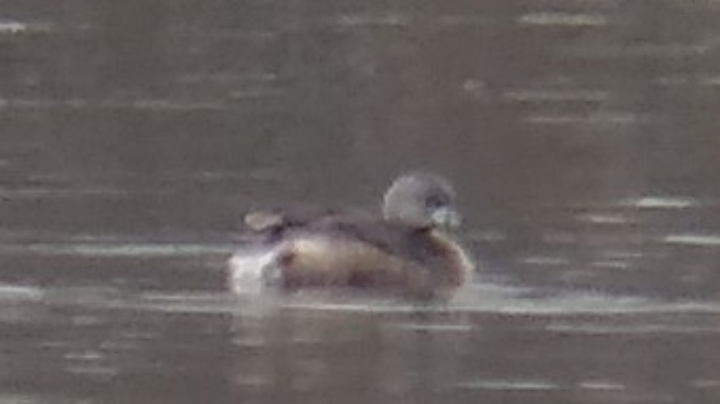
362	251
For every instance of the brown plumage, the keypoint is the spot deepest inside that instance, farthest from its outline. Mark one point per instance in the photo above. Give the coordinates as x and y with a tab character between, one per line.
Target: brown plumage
406	250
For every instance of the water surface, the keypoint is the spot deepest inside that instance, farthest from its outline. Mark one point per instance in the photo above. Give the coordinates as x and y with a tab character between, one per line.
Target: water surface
582	137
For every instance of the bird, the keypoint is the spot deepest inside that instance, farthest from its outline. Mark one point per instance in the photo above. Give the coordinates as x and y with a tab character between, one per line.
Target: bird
409	249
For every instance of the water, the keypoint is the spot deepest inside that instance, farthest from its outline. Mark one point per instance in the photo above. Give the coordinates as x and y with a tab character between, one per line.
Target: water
127	322
581	137
103	344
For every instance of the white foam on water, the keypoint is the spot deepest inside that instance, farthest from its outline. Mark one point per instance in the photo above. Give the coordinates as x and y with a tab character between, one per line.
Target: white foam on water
245	270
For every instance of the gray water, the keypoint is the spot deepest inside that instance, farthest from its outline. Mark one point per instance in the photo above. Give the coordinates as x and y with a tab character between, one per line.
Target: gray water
581	136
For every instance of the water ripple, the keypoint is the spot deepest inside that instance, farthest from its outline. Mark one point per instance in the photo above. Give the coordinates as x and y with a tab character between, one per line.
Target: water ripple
509	385
563	19
700	240
121	249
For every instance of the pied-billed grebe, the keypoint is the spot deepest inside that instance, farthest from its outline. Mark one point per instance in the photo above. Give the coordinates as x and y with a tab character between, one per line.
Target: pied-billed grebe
406	250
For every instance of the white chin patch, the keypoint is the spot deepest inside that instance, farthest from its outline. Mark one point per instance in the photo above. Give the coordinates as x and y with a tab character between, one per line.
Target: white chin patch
246	270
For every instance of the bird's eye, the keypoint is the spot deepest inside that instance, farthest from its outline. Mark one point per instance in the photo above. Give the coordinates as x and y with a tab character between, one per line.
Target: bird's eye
434	201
